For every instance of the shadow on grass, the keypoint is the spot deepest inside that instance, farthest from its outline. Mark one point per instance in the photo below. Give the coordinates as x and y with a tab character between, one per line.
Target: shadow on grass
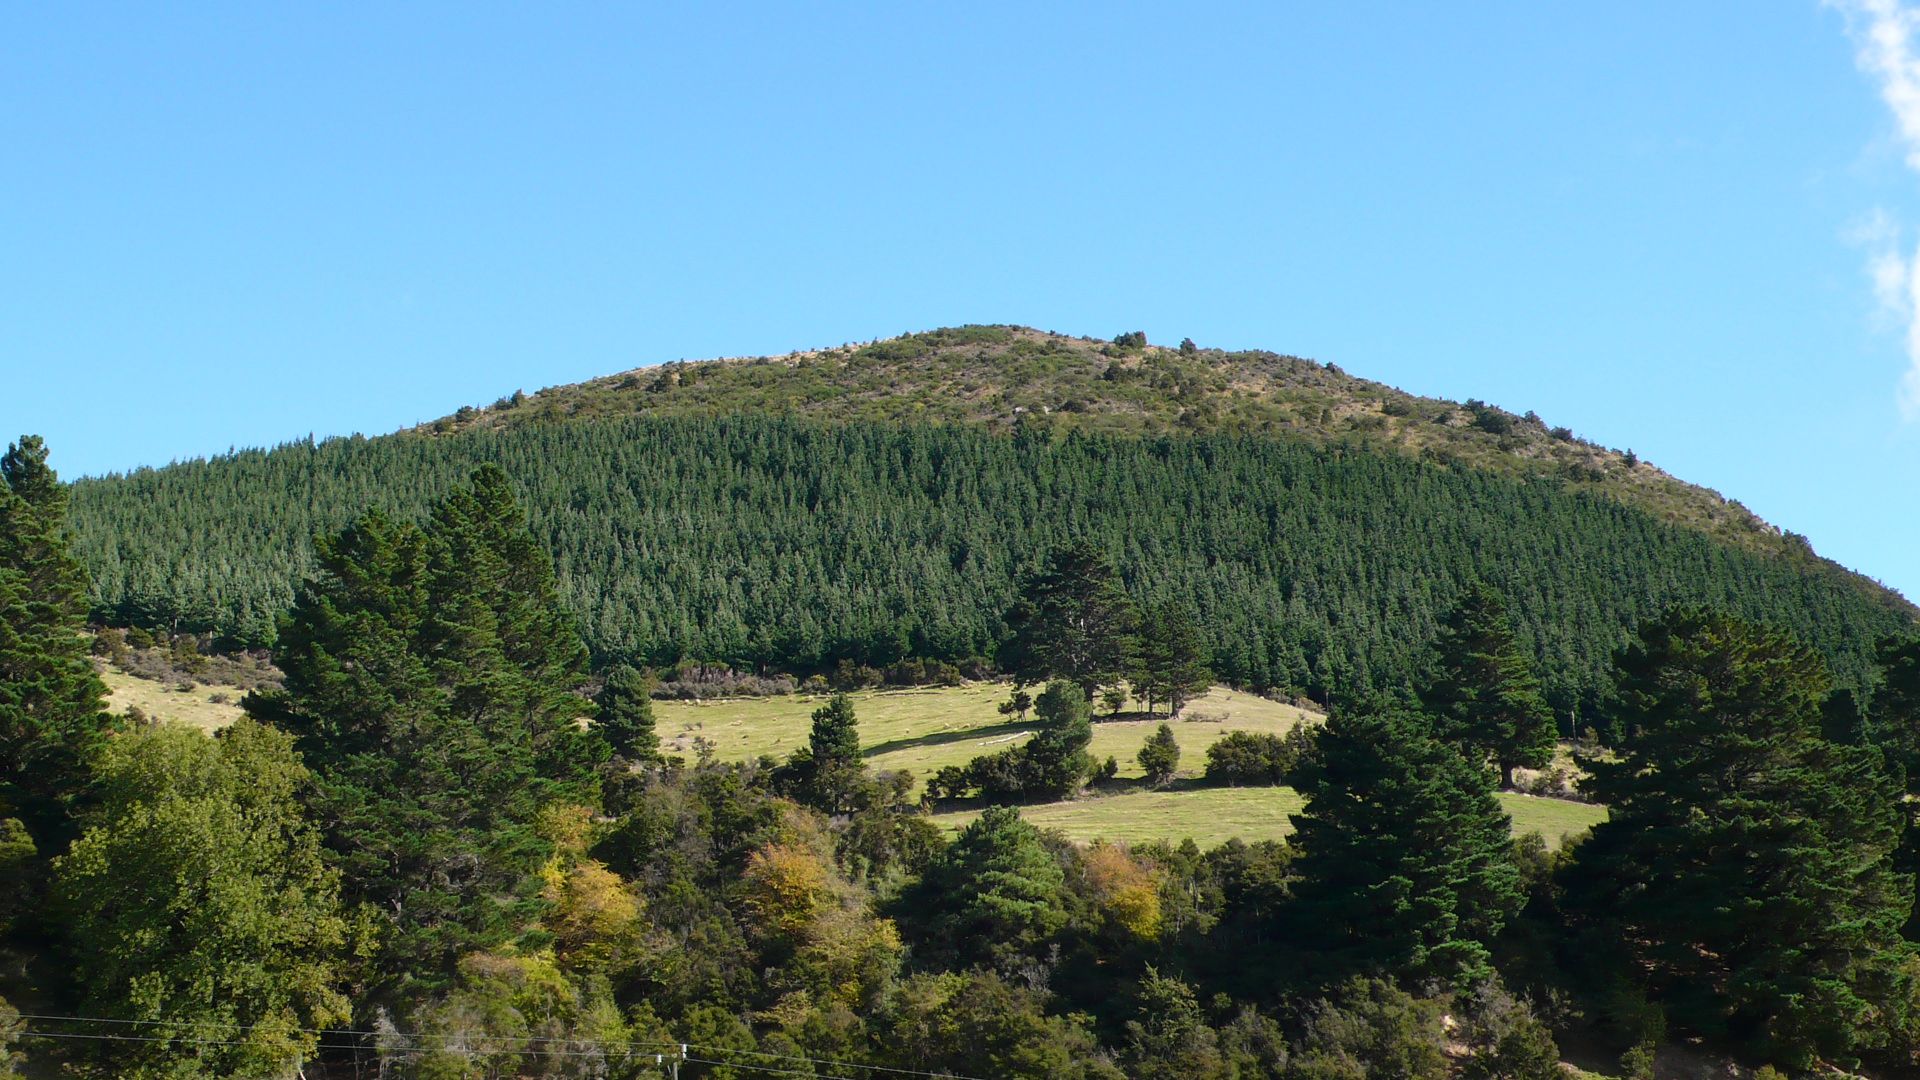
942	738
1099	789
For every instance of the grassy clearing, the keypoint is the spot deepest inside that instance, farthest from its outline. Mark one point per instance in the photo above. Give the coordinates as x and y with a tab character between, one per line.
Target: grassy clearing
926	729
163	702
1212	816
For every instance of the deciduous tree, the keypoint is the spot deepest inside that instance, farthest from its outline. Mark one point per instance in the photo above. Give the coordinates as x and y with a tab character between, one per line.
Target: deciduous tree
197	903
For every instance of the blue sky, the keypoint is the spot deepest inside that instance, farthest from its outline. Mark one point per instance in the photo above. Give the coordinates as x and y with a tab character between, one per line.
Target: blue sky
1680	227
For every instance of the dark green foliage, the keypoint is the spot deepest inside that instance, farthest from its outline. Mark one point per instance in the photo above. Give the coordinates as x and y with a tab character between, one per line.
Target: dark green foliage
1371	1030
1296	560
994	896
835	739
1256	757
1482	691
1404	867
1172	663
625	716
1159	756
1017	704
1170	1039
429	678
1743	878
1892	722
52	714
1051	765
1072	621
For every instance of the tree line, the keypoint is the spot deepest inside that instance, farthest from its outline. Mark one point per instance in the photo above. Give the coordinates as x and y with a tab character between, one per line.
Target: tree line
770	543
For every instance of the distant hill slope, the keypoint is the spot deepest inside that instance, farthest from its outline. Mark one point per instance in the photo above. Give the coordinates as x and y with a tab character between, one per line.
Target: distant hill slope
766	540
1000	376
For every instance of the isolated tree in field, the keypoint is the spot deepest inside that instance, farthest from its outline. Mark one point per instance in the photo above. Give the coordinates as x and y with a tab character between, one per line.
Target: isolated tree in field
625	719
1017	705
1051	765
1160	755
830	772
1057	761
198	905
1404	867
1482	690
1072	621
835	739
1172	661
429	679
52	711
1744	873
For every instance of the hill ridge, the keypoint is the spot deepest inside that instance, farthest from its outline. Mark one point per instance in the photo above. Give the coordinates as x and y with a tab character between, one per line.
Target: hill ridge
1005	377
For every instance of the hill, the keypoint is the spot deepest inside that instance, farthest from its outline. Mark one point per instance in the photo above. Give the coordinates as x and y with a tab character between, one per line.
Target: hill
763	515
1000	377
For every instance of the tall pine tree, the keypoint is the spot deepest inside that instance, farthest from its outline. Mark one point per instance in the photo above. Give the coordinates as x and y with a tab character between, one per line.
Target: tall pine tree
1892	722
1172	661
1072	621
1482	689
1404	867
429	678
625	719
52	711
1744	876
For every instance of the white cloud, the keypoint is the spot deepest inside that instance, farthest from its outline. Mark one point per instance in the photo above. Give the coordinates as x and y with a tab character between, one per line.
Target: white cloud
1887	34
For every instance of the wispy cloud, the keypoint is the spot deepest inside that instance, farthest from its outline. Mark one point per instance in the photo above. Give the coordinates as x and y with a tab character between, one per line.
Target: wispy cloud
1887	35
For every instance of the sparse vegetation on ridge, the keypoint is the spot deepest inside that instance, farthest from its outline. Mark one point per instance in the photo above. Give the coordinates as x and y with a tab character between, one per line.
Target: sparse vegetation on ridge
1006	377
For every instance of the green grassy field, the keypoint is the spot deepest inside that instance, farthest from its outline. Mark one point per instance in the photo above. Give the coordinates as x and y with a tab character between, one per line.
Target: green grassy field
161	702
924	729
1212	816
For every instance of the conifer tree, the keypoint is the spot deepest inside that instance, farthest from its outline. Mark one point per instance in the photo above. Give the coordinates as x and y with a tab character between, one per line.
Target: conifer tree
1072	621
1404	865
1482	689
1160	755
1743	874
429	679
1172	661
1892	723
996	893
1057	757
52	712
625	719
831	772
835	739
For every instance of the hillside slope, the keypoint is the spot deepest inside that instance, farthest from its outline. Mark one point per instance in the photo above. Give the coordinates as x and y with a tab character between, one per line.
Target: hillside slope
794	543
1003	376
